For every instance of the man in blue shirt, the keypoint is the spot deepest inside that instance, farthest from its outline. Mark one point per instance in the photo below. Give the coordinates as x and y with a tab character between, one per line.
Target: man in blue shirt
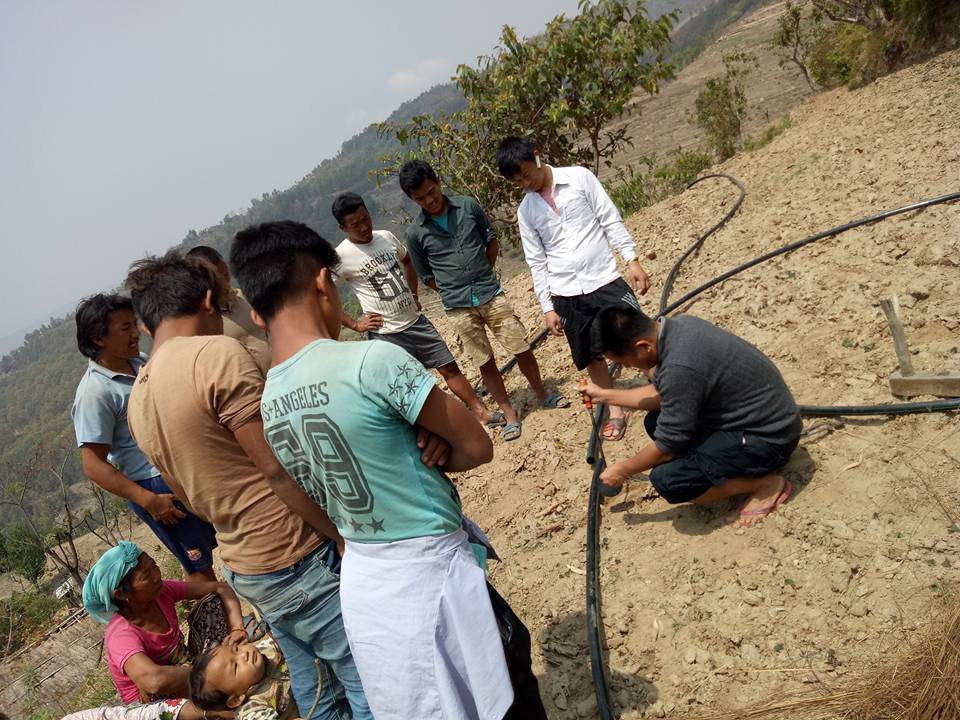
454	249
107	334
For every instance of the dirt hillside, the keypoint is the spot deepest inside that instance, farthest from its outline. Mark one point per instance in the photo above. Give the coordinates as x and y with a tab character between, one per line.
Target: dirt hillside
658	123
703	617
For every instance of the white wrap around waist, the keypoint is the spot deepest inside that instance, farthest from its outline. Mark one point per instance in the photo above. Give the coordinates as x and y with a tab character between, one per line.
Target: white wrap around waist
422	630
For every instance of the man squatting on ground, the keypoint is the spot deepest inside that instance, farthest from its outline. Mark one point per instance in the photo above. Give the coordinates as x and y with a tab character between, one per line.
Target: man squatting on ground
720	415
108	336
568	225
415	601
454	250
195	412
377	267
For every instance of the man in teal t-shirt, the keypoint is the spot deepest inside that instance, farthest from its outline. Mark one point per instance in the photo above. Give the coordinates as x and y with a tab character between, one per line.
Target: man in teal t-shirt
369	398
359	425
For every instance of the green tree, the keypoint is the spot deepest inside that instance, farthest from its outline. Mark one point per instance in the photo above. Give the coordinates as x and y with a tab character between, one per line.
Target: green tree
562	88
721	107
566	85
22	555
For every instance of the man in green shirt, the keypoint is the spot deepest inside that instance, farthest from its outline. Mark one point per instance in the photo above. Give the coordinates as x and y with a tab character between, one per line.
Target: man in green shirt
454	249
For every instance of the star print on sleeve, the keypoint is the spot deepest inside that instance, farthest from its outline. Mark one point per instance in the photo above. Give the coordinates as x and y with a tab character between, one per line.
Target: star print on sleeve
407	381
358	527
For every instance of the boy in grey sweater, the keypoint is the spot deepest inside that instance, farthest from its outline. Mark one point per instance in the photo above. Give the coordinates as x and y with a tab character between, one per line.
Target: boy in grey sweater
720	415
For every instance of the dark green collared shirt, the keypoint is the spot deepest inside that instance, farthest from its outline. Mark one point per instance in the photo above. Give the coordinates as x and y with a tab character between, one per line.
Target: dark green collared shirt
455	258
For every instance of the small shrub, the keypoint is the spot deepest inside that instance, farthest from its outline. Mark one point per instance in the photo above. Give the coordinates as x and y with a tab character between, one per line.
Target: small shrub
636	189
721	107
836	57
633	189
675	176
767	135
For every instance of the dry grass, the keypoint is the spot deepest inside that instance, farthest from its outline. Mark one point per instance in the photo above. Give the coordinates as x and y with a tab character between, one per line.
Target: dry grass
923	683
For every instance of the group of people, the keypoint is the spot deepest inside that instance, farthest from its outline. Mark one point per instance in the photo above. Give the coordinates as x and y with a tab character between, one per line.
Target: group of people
320	467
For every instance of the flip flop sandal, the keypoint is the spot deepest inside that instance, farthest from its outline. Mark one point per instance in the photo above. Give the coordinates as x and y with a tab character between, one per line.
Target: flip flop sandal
255	628
511	431
498	420
764	511
555	400
617	428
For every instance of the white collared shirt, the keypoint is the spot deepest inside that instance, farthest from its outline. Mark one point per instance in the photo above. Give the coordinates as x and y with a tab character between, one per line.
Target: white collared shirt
569	250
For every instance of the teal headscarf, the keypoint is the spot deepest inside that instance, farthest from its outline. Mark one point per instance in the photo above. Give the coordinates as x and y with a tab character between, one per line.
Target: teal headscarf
105	577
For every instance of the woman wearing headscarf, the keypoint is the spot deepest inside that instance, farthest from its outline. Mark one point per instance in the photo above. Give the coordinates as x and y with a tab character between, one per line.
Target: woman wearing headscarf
143	640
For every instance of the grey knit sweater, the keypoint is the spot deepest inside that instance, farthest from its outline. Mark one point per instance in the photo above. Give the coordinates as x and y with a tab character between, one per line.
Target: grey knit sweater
710	379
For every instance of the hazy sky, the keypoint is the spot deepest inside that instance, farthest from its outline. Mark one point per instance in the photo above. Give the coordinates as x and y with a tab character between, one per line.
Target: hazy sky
125	124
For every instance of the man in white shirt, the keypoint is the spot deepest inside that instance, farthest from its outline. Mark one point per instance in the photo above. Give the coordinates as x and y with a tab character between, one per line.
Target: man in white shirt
376	266
569	228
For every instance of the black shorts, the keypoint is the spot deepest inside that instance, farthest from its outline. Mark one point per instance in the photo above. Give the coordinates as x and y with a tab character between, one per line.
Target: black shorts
420	340
578	311
713	458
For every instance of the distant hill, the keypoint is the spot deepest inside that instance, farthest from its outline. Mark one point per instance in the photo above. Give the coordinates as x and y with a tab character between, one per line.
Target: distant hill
38	379
310	199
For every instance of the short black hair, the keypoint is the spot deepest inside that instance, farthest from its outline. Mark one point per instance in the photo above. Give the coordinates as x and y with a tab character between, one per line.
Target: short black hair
415	173
207	253
172	286
511	152
204	699
93	320
346	204
617	327
276	261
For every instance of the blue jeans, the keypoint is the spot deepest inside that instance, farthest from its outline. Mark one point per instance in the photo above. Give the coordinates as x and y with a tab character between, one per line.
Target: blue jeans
191	540
301	603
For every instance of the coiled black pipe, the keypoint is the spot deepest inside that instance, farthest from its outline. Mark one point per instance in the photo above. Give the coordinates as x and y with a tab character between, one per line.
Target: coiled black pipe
674	271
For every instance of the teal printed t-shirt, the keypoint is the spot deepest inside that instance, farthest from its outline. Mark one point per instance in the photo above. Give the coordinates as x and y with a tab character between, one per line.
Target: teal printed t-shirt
339	417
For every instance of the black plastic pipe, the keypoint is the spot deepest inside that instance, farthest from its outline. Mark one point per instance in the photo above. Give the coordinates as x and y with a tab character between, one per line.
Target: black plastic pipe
790	247
674	271
595	634
910	408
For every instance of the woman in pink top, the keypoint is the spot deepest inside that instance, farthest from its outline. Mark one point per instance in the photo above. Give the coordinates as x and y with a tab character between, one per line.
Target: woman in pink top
143	638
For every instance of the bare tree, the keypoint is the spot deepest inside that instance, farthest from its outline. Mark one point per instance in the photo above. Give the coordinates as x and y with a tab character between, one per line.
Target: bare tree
107	523
57	540
795	37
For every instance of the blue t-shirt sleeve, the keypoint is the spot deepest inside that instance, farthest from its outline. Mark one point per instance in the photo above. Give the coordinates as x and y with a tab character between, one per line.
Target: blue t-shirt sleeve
95	415
393	378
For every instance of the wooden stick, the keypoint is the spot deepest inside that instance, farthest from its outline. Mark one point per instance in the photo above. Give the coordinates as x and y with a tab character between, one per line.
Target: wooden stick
891	308
549	530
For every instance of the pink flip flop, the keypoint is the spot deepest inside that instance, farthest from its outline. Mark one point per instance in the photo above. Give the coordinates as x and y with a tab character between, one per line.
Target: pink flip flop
784	495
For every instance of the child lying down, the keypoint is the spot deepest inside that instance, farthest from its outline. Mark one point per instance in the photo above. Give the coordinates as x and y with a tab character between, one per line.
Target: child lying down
250	679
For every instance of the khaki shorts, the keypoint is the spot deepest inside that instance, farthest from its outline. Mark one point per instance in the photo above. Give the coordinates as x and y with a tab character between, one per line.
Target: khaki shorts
498	315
